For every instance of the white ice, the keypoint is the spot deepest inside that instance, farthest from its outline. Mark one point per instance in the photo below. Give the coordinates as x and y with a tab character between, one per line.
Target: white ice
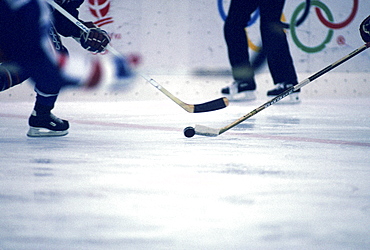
290	177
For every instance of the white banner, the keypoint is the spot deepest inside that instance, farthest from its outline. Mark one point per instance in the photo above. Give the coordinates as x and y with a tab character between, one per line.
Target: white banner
173	35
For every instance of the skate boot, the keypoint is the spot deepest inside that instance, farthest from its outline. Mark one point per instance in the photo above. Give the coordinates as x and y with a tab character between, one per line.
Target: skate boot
46	125
240	91
280	88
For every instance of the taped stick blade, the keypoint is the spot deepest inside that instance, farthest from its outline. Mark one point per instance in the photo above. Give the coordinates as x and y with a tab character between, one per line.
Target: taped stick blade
212	105
206	131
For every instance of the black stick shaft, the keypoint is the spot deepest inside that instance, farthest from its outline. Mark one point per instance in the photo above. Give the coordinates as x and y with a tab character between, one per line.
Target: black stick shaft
296	87
339	62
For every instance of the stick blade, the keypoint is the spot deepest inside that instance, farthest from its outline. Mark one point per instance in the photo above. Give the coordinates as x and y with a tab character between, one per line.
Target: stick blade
212	105
206	131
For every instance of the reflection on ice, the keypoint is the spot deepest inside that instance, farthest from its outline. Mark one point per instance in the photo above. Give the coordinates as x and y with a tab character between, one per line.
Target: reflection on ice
127	178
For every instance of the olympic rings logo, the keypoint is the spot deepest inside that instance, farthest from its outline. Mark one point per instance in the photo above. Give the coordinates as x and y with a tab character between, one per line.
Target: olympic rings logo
297	20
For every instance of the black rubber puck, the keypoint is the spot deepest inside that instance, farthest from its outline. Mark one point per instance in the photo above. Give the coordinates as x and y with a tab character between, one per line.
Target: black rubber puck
189	132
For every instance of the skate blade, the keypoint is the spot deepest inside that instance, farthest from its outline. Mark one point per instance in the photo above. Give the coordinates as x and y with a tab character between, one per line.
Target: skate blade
43	132
244	96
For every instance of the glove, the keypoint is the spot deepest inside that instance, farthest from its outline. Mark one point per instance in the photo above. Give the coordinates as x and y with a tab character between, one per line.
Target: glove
365	30
96	40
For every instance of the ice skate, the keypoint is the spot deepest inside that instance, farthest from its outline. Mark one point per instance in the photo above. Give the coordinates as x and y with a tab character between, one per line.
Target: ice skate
46	125
240	91
280	88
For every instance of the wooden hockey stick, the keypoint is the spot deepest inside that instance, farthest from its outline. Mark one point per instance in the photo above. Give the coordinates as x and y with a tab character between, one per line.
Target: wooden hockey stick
191	108
207	131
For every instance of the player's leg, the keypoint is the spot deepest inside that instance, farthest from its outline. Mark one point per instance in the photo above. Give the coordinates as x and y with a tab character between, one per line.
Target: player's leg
22	40
276	47
237	45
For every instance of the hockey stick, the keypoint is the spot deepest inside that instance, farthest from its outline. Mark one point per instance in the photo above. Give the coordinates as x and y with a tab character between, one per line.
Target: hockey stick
191	108
207	131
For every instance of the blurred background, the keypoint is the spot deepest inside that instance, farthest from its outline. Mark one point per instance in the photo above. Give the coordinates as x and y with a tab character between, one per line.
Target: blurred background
181	45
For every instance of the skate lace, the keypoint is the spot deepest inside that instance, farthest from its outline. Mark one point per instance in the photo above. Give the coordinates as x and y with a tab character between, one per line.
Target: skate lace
280	86
55	119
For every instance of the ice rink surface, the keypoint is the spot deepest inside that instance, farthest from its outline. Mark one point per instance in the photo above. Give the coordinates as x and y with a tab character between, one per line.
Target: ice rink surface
290	177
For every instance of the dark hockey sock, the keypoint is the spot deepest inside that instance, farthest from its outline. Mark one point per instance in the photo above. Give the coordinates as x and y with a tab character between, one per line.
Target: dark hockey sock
44	105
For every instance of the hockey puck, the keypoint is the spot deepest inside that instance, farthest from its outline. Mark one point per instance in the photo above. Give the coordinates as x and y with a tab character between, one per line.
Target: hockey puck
189	132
